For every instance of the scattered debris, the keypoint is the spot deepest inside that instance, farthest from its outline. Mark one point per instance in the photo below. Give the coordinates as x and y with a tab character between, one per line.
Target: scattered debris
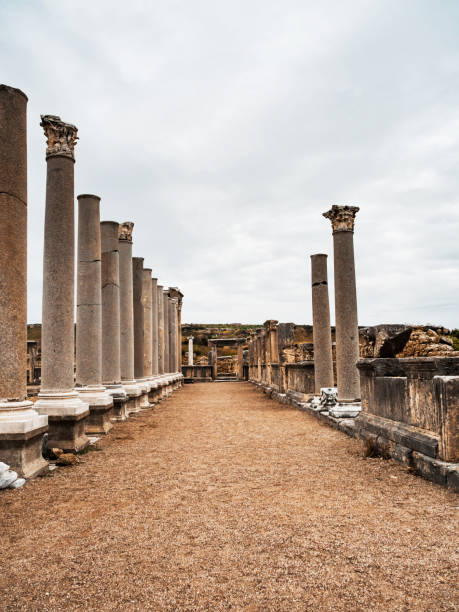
9	478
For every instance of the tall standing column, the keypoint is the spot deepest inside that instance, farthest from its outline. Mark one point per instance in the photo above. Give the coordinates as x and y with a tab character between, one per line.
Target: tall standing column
139	343
89	317
67	414
128	381
21	428
240	362
166	331
321	331
161	369
111	370
172	335
347	332
147	324
175	292
190	350
154	330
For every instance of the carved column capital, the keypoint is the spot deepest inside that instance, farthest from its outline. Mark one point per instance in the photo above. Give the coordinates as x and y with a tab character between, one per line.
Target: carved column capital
125	231
342	217
60	137
270	325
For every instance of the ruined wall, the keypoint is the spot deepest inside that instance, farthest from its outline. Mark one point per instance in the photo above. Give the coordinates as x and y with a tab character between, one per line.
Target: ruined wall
413	402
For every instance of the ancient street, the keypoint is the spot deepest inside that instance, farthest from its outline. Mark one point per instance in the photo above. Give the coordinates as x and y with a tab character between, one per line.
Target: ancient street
220	498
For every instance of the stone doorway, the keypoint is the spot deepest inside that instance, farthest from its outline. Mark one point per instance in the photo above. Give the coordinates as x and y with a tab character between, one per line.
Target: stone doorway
222	372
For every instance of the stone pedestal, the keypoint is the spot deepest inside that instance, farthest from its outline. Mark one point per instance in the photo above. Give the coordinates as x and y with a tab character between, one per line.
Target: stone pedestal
58	398
128	381
89	318
323	360
111	368
139	343
21	427
347	332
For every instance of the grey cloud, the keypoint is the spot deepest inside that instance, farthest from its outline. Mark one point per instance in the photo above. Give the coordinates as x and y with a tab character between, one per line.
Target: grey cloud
224	130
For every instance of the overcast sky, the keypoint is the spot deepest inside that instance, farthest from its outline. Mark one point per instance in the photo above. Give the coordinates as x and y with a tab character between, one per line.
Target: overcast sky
224	129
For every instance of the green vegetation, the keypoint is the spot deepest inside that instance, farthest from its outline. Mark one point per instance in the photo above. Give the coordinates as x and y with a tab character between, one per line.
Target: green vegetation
455	339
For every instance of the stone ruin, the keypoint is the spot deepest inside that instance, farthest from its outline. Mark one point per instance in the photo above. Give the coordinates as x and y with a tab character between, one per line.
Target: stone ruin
394	386
128	340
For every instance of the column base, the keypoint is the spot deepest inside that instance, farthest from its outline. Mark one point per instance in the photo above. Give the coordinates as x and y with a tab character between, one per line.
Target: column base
133	393
21	438
345	409
145	386
100	404
67	418
154	392
119	411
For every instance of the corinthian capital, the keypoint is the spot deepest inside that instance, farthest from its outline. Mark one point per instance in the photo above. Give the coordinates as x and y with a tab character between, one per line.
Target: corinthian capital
60	137
342	217
270	325
125	231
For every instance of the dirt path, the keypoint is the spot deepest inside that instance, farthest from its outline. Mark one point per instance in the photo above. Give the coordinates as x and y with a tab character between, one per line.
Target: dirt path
221	499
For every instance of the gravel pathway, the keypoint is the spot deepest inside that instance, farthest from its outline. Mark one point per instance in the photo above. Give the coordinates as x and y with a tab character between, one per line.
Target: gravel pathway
221	499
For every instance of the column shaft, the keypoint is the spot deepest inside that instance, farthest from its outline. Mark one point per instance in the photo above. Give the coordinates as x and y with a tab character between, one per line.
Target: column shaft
154	321
21	428
166	332
126	302
57	334
137	276
323	360
161	369
147	323
89	293
13	241
111	371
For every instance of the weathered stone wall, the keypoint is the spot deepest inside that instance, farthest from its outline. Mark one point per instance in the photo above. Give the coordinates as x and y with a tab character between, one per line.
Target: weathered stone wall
420	393
197	373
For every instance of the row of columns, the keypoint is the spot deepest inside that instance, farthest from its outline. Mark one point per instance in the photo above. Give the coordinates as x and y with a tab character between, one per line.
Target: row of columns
127	329
263	349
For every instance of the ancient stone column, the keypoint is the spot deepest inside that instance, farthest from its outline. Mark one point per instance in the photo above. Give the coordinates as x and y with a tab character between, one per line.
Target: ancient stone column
111	371
347	332
190	350
89	317
161	370
175	292
321	331
172	335
240	364
128	381
21	427
139	343
147	324
154	320
67	413
166	331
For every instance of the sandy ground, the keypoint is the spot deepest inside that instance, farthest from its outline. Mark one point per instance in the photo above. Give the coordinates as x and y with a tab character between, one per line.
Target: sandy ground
221	499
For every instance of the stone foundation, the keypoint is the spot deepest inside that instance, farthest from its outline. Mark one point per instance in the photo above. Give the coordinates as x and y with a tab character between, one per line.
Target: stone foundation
68	432
23	451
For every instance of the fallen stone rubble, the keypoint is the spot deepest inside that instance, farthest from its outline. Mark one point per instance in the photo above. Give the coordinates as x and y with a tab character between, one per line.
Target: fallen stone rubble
9	478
